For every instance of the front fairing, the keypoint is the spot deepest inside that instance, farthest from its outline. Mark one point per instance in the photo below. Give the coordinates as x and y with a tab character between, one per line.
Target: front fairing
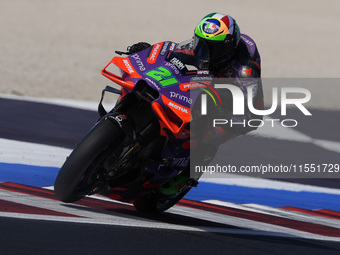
168	68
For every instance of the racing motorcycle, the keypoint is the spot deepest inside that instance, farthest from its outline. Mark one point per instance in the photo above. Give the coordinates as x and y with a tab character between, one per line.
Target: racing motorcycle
144	141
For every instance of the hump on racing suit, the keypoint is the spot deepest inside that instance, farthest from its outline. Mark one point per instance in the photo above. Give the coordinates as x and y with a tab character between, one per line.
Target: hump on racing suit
245	71
248	54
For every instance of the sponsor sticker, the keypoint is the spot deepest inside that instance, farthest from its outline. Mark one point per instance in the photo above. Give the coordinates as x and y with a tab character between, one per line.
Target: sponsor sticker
154	53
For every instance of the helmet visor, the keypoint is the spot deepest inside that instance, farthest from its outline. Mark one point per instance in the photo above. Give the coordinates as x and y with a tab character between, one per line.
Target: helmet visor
212	50
201	49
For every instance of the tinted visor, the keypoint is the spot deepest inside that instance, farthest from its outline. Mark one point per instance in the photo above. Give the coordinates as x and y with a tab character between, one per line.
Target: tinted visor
211	50
201	48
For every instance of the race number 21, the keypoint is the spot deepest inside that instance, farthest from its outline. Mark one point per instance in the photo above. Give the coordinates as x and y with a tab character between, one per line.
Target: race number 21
163	76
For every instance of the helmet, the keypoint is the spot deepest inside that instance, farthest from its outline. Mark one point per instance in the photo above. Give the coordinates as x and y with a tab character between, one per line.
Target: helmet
216	38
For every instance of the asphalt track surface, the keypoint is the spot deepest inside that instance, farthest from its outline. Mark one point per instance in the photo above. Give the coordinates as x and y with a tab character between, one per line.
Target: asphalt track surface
45	237
64	126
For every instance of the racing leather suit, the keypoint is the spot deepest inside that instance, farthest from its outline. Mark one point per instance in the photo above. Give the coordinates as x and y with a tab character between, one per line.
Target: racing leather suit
243	70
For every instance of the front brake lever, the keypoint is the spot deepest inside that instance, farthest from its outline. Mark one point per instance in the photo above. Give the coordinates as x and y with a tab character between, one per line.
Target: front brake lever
122	53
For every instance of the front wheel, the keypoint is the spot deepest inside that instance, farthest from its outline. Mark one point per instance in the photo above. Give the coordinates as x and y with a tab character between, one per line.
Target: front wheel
78	175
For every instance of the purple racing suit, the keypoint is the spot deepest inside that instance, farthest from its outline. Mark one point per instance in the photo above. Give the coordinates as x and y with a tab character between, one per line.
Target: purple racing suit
245	71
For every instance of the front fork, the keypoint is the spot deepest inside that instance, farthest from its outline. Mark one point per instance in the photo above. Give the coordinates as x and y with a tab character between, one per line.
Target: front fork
134	148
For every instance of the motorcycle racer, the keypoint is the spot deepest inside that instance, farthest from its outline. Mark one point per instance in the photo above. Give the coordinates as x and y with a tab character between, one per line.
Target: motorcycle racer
144	149
226	53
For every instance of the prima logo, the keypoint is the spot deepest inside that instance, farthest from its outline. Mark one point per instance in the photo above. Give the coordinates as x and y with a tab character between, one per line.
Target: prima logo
139	62
180	97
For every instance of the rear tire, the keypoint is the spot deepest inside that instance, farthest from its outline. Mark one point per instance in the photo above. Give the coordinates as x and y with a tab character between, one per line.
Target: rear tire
75	179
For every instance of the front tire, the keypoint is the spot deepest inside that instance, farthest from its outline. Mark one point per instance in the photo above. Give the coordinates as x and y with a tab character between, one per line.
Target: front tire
76	177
